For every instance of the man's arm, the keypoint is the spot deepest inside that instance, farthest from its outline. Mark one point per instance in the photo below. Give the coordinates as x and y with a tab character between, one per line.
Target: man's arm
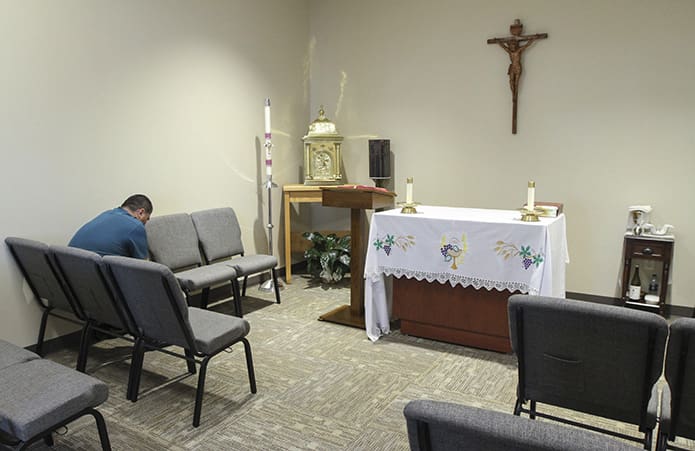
138	243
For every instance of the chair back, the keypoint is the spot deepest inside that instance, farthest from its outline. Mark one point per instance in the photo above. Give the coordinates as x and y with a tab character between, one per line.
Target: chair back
443	426
85	276
172	241
218	232
34	261
154	298
599	359
680	375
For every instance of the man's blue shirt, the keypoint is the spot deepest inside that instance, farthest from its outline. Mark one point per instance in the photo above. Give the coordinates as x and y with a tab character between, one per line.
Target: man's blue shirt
114	232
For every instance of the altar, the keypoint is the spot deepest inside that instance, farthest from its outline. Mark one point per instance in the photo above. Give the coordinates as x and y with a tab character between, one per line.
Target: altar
454	268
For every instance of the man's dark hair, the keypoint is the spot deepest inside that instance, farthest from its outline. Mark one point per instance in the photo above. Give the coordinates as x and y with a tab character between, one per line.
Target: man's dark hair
138	201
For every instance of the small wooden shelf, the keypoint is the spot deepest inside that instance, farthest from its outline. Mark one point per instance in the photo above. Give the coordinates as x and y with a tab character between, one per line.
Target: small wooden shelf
645	251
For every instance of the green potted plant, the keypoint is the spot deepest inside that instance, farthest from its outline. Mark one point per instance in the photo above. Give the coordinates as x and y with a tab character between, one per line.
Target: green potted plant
329	259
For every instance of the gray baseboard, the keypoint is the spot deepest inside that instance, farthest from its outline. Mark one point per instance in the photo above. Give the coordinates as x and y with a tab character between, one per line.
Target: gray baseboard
71	340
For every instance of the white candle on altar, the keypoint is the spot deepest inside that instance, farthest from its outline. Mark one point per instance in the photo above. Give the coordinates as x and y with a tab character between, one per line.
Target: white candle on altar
531	197
409	190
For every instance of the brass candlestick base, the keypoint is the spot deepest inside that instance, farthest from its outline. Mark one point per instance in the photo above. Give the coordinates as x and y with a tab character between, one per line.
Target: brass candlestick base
408	207
528	215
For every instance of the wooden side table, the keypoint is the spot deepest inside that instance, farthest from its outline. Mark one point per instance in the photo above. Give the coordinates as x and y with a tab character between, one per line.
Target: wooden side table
298	194
638	250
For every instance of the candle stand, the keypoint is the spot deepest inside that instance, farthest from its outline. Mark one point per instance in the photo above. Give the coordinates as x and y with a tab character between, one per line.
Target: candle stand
528	215
269	285
408	208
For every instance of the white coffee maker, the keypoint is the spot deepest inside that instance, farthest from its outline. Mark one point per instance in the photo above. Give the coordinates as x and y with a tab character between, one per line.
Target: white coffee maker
639	222
637	218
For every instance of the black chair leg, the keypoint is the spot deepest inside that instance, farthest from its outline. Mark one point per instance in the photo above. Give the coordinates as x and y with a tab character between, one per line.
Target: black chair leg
85	341
204	298
199	392
243	287
249	364
48	440
103	432
237	299
517	407
648	440
661	440
135	370
190	363
532	413
273	272
42	332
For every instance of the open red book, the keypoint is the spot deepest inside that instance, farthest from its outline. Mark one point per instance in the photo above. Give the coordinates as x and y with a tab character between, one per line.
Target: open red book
364	188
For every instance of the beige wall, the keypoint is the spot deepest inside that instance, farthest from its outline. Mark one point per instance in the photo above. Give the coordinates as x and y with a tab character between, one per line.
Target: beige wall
102	99
606	112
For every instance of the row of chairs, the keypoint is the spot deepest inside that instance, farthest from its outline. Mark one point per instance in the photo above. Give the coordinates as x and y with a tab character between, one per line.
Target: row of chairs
205	249
596	359
139	300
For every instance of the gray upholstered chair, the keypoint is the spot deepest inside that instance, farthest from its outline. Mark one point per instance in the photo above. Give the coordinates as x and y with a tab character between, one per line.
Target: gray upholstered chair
39	396
220	239
598	359
678	397
159	310
34	262
443	426
173	242
83	273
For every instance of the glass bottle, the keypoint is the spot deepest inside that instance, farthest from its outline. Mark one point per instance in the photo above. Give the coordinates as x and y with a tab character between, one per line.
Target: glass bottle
635	289
653	284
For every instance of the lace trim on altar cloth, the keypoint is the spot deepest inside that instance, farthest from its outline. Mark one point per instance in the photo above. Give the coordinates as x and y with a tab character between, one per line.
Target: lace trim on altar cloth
454	279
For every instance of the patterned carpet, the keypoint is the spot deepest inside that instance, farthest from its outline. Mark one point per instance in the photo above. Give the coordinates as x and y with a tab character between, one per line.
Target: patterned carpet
321	386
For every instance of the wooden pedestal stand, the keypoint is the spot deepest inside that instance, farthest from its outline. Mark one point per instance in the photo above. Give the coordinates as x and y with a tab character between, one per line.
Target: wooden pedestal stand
357	200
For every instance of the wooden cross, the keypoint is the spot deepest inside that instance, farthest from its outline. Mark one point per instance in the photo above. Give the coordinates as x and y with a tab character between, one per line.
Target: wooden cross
515	45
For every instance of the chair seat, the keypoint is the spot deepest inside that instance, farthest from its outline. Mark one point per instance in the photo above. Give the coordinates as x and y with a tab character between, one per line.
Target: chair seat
214	331
11	354
205	276
252	264
39	394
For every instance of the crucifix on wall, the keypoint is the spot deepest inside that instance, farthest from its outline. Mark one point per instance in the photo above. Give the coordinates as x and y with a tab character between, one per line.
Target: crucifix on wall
515	45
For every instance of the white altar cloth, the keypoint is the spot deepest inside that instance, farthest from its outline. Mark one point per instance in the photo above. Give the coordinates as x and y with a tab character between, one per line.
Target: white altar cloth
480	248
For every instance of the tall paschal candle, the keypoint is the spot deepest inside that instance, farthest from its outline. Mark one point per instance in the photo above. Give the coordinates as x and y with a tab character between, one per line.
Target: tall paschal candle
268	145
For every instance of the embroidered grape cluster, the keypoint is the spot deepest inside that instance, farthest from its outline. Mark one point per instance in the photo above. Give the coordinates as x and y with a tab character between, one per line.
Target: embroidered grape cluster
387	249
527	255
445	250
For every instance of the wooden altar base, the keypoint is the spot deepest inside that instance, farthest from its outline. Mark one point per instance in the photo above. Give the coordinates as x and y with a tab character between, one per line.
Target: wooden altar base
465	316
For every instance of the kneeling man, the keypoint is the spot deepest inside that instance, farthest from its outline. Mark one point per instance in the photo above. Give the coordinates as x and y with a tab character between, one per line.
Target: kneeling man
120	231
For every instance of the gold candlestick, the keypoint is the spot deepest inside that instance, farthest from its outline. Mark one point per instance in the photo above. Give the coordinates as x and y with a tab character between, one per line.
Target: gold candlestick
408	207
528	215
